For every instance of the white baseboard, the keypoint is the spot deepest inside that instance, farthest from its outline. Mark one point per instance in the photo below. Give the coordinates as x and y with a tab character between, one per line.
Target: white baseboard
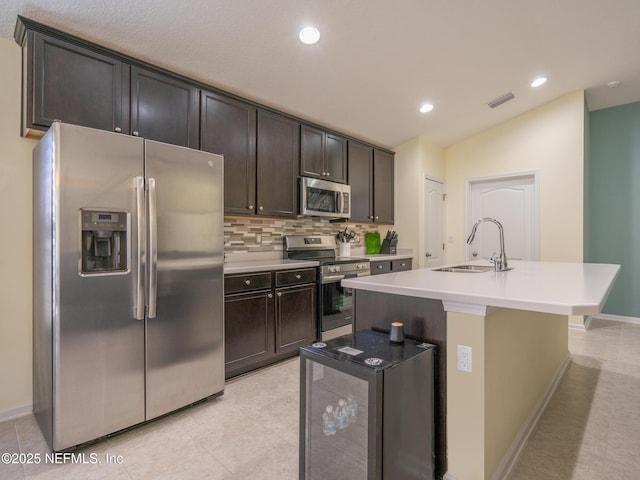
520	442
15	412
617	318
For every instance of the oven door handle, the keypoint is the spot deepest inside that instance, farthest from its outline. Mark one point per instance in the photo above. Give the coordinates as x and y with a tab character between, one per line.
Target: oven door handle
332	278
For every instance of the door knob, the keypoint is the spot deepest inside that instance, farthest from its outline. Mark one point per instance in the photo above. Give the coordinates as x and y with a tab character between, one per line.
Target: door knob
474	254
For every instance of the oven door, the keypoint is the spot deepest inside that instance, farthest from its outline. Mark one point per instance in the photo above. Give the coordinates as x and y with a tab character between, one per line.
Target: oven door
336	302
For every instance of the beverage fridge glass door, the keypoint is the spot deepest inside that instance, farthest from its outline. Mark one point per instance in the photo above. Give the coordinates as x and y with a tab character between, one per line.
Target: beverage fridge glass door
185	340
338	423
91	381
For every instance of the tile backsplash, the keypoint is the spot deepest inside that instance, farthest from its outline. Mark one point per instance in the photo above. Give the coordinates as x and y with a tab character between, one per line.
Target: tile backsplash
244	234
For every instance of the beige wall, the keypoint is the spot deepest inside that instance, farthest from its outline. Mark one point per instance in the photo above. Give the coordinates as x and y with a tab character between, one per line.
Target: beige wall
548	139
510	378
414	159
15	241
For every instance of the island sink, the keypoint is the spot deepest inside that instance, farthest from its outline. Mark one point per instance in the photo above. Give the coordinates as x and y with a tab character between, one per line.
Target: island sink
465	269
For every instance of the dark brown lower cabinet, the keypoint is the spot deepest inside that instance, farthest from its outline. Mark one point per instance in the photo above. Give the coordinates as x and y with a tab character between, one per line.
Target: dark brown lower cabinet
294	307
268	316
248	330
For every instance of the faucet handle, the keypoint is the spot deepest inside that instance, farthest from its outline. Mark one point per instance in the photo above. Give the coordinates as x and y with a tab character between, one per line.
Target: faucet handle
496	260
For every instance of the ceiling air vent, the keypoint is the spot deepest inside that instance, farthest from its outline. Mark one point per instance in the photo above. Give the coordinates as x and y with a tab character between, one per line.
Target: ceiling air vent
501	99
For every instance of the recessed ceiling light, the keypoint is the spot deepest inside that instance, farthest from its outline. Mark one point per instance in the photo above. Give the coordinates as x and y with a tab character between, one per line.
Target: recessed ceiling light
309	35
614	84
539	81
426	107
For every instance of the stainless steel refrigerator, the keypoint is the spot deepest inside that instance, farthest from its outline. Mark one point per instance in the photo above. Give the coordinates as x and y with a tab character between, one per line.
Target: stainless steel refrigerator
128	281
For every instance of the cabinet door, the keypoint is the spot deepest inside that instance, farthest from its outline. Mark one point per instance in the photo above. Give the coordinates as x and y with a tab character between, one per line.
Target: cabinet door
382	187
295	317
248	330
360	177
228	127
336	158
278	155
312	152
163	108
75	85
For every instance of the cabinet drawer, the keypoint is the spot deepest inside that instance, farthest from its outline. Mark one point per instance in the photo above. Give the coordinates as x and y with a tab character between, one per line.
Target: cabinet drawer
246	282
380	267
294	277
400	265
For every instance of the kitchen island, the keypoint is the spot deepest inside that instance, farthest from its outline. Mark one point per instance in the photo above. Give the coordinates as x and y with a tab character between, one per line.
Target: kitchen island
515	324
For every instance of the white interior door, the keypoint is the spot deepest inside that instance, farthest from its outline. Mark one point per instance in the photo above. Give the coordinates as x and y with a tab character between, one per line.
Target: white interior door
513	201
434	253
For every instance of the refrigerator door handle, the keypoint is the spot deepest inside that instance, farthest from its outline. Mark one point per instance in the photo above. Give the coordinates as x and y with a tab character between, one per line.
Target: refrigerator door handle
153	249
140	214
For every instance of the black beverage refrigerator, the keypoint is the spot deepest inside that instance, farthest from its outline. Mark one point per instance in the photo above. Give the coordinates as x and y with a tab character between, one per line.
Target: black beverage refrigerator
366	409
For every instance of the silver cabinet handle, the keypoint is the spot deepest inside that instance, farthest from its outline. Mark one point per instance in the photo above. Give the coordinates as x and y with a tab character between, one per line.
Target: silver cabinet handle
153	249
380	267
250	207
427	254
403	264
117	129
247	282
377	217
328	174
298	277
474	254
261	208
371	217
279	294
135	133
141	249
270	295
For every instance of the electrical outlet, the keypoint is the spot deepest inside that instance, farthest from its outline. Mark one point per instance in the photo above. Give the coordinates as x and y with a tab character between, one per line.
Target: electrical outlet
464	358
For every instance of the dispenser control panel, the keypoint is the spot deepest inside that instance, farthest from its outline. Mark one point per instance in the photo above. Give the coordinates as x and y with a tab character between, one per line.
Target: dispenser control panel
92	220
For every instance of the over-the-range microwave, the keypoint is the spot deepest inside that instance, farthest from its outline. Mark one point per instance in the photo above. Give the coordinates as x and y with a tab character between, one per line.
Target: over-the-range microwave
324	199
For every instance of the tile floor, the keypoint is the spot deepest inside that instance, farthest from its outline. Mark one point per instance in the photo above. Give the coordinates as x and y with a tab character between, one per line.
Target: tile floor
590	429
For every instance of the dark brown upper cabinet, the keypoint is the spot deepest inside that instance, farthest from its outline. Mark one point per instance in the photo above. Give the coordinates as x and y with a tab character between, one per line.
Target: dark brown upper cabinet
228	127
370	175
164	108
382	187
66	82
278	157
323	154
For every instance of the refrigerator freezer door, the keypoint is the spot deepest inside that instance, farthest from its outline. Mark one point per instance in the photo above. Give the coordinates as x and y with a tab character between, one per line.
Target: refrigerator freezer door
98	360
185	339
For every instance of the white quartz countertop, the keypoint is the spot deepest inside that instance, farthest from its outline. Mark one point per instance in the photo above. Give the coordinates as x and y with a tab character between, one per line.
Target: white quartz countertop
551	287
264	265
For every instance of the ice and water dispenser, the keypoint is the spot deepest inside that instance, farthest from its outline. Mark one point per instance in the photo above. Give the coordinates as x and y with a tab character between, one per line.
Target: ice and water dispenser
104	242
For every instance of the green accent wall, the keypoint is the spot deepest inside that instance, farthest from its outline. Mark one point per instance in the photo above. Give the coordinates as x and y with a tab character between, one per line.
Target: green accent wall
612	201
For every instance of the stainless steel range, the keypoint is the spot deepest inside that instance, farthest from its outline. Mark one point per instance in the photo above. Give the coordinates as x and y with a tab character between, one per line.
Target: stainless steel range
335	308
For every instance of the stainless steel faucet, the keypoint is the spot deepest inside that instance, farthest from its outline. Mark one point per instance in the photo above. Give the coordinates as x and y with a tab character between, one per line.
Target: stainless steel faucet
499	262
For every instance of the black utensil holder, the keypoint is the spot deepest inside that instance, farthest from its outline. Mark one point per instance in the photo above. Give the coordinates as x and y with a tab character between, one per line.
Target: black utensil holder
389	247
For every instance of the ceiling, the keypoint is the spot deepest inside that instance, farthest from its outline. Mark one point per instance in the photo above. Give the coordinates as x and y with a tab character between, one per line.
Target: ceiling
377	60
